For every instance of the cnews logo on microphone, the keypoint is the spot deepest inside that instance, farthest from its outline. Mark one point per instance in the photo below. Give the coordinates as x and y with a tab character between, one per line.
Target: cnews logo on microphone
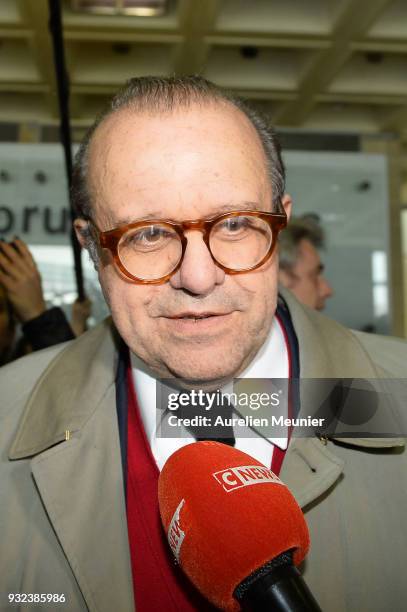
243	476
175	534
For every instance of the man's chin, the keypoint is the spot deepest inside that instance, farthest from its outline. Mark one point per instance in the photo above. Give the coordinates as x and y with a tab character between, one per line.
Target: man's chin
214	373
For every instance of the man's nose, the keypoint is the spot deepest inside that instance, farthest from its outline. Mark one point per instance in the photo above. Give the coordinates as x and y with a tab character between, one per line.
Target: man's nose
325	288
198	273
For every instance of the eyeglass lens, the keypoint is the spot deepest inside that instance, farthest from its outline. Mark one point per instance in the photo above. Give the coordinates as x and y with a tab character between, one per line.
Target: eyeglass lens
152	251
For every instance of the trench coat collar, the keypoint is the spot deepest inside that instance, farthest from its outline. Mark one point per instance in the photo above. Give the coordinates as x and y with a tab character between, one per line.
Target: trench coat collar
332	352
68	392
327	351
69	431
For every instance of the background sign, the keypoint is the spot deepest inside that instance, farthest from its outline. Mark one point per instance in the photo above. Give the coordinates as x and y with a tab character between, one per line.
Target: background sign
33	194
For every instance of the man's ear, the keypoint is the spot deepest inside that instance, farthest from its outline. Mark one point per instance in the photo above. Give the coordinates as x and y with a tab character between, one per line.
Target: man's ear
81	227
287	202
285	279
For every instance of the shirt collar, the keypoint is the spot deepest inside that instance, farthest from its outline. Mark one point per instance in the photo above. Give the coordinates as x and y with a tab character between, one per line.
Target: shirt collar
271	361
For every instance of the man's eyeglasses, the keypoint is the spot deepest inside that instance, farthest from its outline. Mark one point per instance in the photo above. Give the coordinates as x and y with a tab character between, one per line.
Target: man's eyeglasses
150	252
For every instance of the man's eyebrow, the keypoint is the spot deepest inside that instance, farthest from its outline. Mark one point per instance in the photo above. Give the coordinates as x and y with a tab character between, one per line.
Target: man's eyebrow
159	215
134	219
234	206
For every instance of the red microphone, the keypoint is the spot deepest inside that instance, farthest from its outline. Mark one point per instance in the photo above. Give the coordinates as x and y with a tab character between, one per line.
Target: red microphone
235	529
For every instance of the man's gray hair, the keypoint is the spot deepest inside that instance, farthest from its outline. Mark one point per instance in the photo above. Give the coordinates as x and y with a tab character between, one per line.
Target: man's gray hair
165	94
298	228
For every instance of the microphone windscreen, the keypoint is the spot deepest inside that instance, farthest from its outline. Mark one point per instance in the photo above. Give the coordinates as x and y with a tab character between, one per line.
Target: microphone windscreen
226	515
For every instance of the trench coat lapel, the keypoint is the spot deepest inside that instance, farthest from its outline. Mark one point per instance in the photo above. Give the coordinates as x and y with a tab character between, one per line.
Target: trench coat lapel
327	351
80	479
331	353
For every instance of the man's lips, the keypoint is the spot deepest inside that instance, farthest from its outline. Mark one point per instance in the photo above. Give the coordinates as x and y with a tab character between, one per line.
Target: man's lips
197	315
192	322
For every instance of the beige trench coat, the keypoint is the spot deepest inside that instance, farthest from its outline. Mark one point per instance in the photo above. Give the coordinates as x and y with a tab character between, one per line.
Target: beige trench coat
62	509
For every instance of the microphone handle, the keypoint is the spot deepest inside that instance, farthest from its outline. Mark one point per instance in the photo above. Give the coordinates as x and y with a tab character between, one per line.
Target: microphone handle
282	589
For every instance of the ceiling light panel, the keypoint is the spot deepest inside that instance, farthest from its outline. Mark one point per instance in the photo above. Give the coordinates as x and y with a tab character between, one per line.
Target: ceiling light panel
362	76
9	13
17	63
345	117
141	60
272	68
30	107
281	16
391	23
137	8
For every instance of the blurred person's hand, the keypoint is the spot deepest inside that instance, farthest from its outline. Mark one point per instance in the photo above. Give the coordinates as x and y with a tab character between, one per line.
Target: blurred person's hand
80	313
21	279
7	326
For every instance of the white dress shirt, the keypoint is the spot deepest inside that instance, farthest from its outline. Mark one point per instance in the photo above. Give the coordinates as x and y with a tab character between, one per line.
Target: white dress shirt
271	361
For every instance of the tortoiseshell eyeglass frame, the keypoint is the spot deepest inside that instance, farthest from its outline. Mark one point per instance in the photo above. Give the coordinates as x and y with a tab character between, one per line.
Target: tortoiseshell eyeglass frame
110	239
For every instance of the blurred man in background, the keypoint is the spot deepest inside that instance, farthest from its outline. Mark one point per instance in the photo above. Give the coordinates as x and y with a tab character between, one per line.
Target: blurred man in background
301	268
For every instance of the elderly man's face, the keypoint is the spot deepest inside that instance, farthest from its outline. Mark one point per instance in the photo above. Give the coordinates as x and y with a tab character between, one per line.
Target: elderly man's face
306	277
202	324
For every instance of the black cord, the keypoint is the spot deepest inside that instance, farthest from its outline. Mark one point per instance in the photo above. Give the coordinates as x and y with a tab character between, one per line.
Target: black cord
55	28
